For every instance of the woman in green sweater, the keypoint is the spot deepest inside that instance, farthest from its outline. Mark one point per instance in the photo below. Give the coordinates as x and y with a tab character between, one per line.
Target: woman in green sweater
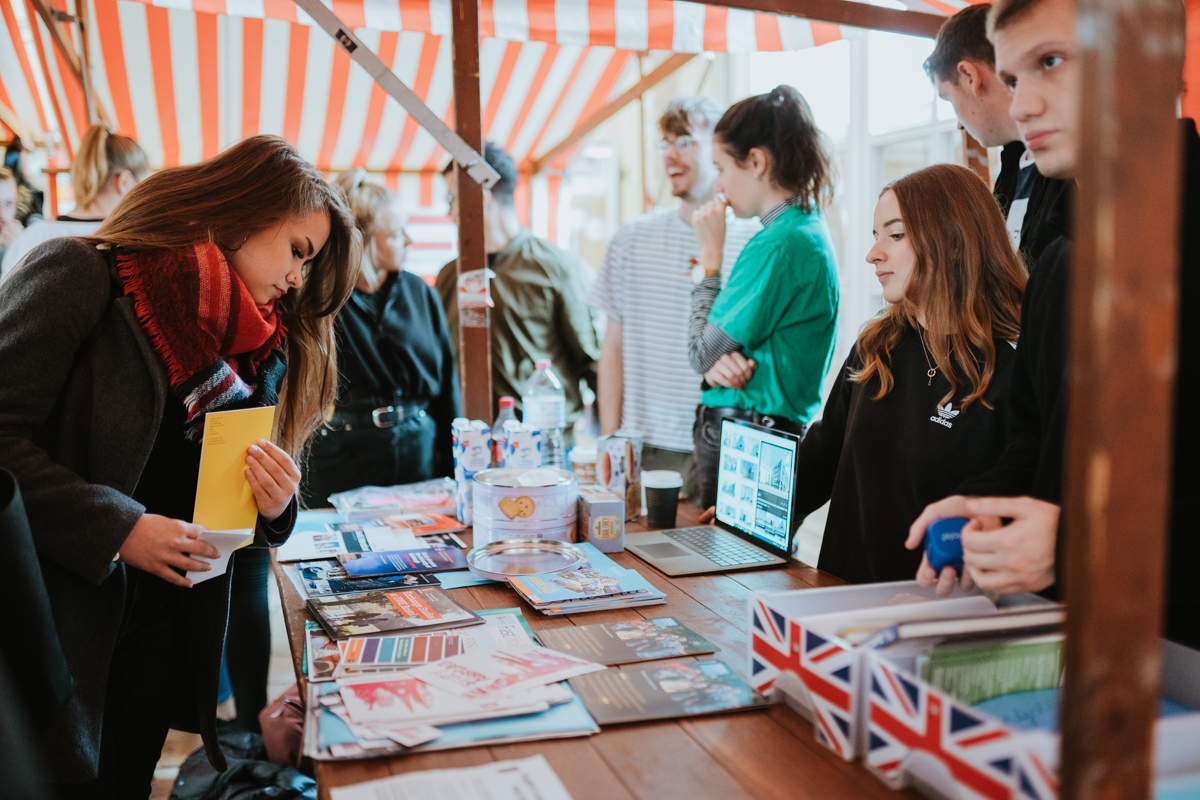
765	340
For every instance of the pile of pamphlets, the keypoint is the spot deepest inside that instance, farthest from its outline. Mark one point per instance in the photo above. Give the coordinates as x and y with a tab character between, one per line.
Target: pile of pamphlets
390	695
598	584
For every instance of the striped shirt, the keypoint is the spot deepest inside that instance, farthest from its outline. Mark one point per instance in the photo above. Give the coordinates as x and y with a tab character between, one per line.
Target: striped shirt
645	284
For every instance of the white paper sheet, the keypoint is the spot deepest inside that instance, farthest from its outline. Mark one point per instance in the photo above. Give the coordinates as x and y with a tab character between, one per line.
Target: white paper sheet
226	542
522	779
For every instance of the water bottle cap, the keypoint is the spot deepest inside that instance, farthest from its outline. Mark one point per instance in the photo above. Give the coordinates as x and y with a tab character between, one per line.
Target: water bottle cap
542	363
507	402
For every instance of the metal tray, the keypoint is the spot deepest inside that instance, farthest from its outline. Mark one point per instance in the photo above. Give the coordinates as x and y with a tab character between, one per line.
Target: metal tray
507	558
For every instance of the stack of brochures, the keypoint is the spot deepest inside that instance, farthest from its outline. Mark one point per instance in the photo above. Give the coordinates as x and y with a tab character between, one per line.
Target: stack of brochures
597	584
391	696
376	502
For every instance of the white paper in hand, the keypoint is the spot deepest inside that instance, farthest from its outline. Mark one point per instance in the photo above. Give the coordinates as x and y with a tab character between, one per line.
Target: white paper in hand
226	542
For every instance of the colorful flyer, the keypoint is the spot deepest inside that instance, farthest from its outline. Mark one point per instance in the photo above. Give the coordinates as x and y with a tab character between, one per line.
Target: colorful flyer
488	674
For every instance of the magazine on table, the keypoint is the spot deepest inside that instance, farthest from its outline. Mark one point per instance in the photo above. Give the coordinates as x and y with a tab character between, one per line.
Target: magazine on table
402	698
425	608
373	654
322	655
340	538
488	674
599	578
665	690
434	559
627	642
374	502
423	524
521	779
328	577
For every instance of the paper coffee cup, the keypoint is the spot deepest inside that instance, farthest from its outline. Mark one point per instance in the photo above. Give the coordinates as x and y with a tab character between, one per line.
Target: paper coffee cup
662	496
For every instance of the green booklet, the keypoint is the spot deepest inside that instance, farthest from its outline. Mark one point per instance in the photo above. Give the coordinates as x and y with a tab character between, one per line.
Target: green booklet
664	691
976	672
627	642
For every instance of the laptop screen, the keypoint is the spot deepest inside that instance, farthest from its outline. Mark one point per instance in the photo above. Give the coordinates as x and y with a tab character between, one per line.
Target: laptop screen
756	482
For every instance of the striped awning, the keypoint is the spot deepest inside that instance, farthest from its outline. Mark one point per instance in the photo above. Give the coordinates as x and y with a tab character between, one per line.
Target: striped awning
189	77
18	86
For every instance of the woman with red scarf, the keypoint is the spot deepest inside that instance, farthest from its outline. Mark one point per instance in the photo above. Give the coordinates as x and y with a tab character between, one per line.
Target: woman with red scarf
211	287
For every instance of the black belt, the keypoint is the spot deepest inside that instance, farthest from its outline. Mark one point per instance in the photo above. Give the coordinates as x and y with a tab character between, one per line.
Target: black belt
382	417
714	414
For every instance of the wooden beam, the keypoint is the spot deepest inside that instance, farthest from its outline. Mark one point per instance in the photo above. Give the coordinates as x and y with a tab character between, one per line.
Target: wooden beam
14	124
474	342
1120	391
62	42
656	76
846	12
975	157
89	91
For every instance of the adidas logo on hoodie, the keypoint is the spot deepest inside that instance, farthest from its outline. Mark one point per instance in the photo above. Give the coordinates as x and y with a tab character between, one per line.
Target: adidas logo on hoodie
944	415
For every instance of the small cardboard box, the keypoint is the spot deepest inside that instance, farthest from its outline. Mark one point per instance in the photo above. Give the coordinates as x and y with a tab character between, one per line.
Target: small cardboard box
619	470
601	520
797	656
922	737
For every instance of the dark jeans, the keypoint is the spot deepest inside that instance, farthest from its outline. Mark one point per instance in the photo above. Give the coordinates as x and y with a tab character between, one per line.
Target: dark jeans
248	637
342	460
706	433
139	696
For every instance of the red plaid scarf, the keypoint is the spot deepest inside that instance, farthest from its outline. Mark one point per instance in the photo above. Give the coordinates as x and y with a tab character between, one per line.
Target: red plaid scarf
221	350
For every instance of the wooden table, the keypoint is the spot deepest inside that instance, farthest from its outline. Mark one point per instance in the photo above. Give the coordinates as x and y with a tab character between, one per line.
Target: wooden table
768	754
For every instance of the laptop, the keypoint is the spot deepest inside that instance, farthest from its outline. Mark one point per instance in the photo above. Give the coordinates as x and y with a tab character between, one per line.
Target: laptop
755	505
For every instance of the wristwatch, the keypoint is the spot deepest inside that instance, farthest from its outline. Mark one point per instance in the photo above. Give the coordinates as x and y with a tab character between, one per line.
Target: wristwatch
699	273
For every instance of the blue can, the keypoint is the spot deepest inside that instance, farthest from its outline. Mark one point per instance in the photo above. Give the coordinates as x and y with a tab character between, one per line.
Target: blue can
943	543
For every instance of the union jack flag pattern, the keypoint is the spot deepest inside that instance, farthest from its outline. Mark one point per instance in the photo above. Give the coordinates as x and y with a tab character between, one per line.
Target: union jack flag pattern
782	649
980	757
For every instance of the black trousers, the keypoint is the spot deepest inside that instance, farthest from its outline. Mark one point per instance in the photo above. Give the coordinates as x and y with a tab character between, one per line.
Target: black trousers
706	434
139	696
248	637
341	460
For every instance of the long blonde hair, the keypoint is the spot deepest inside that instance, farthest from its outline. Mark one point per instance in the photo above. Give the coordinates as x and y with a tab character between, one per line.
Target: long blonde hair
251	187
366	200
103	154
966	279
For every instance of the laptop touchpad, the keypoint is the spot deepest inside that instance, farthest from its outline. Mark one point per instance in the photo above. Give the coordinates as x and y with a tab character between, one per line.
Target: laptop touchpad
664	550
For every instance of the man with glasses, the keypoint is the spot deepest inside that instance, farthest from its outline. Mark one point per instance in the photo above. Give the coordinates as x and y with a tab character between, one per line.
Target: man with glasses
647	386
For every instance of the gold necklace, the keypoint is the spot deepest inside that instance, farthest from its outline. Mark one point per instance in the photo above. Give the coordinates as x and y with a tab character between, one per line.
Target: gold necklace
932	369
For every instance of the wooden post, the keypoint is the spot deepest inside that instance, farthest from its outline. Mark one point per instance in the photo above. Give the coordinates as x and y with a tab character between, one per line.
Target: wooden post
89	91
474	333
975	157
1121	374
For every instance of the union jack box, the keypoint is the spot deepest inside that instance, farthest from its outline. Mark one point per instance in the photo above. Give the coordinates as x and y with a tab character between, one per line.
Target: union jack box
921	737
797	656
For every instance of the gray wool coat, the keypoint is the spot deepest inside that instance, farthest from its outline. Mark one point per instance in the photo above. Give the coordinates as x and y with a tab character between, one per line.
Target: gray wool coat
81	400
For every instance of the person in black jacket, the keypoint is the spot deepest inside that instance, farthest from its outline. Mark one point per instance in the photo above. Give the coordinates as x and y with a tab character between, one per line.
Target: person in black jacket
212	287
916	407
962	67
397	384
1036	50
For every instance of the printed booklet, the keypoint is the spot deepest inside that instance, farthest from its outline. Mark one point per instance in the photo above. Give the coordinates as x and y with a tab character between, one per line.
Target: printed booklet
371	654
627	642
424	524
323	578
341	538
664	691
434	559
426	608
484	676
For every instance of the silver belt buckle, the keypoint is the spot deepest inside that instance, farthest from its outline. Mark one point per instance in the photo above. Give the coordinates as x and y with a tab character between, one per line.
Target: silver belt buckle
378	414
767	422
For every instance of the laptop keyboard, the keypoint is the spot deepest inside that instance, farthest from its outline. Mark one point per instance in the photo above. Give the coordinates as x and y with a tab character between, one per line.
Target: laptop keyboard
718	546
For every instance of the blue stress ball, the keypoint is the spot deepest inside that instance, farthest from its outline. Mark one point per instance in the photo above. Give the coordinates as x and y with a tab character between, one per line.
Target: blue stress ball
943	543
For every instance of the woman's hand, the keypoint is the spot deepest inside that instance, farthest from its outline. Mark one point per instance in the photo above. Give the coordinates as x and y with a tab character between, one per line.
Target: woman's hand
1014	557
708	221
732	370
156	544
708	516
954	506
274	478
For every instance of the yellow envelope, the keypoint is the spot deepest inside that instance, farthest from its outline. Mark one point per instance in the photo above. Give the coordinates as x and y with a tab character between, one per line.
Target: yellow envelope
224	500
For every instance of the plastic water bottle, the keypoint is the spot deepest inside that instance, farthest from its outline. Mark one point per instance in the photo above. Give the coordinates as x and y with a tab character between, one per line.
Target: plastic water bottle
587	427
545	408
499	437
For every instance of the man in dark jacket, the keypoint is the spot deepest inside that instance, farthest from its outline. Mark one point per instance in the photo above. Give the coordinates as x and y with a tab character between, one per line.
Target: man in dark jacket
962	67
1035	48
